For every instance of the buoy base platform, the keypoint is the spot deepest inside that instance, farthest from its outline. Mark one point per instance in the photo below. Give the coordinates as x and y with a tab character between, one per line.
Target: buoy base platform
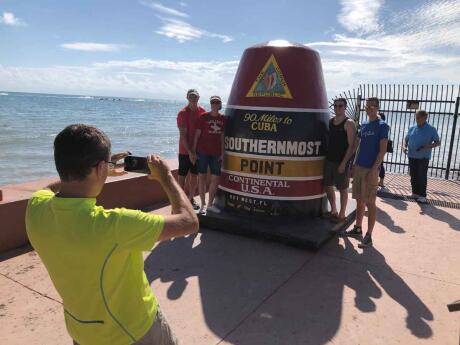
305	233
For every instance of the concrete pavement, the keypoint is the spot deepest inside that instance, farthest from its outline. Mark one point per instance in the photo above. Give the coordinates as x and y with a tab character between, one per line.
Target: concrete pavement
216	288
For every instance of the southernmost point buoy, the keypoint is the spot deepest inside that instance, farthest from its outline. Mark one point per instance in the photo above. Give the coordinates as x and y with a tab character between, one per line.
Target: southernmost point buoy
275	142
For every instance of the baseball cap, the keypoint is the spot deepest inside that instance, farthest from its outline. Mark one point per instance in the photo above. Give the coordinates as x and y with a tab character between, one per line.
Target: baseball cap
193	92
215	98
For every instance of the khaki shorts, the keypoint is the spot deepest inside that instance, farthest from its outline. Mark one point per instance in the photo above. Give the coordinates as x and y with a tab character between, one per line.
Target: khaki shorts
361	189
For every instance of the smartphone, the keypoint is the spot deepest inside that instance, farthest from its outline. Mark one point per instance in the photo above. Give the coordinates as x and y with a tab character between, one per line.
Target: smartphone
136	164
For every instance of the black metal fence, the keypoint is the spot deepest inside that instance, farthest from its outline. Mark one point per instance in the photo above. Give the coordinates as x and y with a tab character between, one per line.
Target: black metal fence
399	104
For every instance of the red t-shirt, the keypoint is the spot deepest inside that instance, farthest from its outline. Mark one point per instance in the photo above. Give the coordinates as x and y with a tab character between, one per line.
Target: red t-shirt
210	140
187	118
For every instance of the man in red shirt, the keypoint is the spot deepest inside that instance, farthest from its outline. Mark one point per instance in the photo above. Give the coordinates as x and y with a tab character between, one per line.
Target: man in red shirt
186	122
208	143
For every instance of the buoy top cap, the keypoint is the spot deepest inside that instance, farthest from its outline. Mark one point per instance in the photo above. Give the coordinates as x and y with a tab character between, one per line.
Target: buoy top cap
283	44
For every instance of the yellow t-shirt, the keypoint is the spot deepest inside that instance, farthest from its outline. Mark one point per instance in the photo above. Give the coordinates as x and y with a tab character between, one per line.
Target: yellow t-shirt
94	258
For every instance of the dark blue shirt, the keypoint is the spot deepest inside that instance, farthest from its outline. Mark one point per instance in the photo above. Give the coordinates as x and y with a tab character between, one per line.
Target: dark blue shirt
420	136
370	134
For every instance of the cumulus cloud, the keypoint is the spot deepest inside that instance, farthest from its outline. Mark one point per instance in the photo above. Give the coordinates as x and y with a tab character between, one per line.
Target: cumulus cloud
420	45
93	47
360	16
8	18
183	31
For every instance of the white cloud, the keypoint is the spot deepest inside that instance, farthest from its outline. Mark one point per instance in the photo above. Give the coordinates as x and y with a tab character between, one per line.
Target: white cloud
183	31
421	45
94	47
360	16
8	18
165	10
135	78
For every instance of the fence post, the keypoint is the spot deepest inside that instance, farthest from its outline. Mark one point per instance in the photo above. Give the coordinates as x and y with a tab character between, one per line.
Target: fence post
452	139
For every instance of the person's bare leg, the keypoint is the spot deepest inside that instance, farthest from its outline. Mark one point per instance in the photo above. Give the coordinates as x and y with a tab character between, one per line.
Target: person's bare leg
343	202
371	216
331	197
360	207
181	180
193	182
213	188
202	188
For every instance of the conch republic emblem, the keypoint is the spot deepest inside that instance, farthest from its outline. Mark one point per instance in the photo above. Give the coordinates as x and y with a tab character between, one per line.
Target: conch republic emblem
276	134
270	82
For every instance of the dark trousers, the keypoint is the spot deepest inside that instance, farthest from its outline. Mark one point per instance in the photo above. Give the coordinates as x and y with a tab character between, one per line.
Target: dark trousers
382	172
418	169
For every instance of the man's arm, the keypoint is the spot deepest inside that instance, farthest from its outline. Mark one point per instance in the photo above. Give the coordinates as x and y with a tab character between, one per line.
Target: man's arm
372	177
183	220
183	137
195	140
382	150
350	127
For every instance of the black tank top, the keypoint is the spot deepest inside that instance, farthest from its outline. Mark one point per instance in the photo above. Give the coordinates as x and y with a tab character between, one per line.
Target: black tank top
338	141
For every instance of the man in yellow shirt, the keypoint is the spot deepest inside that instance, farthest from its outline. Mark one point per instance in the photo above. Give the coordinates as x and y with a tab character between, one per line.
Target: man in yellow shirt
93	255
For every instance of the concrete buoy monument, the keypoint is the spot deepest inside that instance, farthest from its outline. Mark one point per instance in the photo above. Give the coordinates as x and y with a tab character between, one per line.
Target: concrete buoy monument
275	142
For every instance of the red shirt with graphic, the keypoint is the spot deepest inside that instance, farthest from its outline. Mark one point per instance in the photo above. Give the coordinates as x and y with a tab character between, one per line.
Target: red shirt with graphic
210	140
188	118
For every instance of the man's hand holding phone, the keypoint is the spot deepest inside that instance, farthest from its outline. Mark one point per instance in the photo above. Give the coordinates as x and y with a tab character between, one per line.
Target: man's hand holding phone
159	169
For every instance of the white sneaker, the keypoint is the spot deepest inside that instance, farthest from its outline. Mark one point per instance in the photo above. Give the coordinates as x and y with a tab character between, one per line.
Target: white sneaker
414	196
214	209
203	209
422	200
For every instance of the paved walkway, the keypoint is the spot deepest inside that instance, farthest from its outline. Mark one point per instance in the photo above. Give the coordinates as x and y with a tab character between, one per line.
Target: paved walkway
440	192
217	288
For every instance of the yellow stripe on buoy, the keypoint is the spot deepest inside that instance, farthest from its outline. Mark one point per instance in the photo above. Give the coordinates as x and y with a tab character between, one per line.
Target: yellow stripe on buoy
273	167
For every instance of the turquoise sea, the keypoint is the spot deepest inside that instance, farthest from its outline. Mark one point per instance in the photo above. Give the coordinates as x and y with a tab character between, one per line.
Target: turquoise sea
29	122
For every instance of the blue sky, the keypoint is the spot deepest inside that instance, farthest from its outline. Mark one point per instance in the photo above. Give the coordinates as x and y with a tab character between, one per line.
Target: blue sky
158	49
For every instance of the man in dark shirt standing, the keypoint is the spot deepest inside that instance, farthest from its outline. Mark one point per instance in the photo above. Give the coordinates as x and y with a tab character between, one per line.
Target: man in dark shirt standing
342	132
186	122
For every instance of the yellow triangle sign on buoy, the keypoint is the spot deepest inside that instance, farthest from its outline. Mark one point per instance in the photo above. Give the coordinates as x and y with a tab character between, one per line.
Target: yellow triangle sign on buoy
270	82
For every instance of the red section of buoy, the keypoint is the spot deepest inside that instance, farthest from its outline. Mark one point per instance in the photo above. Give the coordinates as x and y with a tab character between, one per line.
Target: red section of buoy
300	66
275	137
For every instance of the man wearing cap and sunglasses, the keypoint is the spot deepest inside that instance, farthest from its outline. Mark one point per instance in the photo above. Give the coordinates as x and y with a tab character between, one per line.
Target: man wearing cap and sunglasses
208	143
186	122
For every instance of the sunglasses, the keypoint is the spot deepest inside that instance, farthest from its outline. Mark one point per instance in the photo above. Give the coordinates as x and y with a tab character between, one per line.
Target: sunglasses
110	164
215	102
339	106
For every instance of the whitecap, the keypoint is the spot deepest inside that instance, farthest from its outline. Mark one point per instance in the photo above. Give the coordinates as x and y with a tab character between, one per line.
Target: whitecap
3	94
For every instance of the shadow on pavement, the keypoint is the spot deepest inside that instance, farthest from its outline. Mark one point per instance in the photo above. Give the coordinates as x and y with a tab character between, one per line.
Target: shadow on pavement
242	305
441	215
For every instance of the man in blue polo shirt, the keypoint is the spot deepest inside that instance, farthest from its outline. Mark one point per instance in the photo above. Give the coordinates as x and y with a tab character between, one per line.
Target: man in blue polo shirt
419	142
372	146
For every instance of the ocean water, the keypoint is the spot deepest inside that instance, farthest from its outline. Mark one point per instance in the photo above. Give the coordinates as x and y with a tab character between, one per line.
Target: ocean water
29	123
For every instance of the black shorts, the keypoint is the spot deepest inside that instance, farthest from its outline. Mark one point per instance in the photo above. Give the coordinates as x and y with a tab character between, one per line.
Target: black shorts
185	166
332	176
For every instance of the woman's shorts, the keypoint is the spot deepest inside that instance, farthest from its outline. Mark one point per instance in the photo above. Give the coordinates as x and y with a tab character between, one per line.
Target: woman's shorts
205	161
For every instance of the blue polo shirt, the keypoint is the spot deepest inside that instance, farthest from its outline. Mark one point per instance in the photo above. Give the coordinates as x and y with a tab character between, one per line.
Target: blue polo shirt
370	134
419	136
